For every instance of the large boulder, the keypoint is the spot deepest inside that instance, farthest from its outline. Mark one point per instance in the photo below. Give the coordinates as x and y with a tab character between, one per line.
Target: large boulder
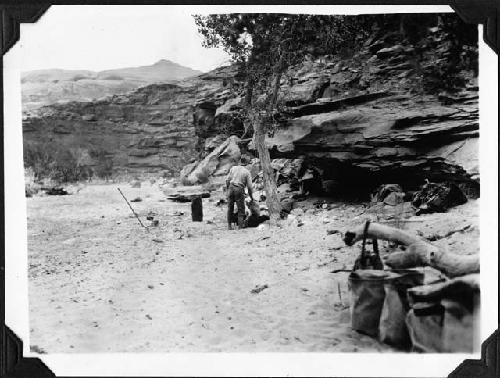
216	164
188	168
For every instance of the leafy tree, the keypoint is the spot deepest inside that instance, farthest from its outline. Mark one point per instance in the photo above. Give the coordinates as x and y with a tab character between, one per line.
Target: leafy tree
265	46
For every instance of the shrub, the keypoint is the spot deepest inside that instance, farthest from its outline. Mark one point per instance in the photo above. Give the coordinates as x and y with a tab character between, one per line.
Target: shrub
64	164
103	162
31	187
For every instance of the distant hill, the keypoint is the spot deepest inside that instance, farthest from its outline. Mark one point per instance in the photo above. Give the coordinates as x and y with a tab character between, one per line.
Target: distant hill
45	87
161	71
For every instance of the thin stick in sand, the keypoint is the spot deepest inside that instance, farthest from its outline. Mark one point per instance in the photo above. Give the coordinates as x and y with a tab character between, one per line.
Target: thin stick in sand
137	216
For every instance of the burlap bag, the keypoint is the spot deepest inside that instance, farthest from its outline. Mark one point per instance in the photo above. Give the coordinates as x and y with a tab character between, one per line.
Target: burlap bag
392	328
367	293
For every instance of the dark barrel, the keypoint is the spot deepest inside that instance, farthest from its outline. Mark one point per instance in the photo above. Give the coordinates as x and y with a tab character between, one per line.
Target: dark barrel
197	209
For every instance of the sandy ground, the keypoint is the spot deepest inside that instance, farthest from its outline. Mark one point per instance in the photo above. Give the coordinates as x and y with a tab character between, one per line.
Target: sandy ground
98	282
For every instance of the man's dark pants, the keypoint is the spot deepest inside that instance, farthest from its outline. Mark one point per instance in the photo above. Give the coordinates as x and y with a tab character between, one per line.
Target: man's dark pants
236	194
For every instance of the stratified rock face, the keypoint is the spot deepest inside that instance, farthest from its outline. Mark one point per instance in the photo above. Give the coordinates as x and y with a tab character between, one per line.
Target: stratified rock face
157	128
390	138
145	131
149	130
386	114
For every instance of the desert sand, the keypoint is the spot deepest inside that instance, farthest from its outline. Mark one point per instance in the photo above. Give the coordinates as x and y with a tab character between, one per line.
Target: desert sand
99	282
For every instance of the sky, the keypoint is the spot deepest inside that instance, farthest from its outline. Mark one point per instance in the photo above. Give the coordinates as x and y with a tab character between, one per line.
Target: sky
107	37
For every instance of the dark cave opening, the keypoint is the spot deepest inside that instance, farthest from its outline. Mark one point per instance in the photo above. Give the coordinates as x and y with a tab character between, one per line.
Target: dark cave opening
346	181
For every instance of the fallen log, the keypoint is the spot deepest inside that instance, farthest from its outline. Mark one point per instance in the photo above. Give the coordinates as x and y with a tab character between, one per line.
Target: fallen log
419	252
187	197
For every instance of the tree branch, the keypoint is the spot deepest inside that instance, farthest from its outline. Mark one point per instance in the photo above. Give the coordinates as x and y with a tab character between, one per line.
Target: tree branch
419	252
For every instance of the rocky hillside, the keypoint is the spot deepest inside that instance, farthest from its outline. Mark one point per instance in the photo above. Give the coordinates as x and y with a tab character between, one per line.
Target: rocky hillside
44	87
148	130
391	110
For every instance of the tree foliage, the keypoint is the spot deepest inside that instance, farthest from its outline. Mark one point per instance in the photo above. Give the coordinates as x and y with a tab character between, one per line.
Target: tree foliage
265	44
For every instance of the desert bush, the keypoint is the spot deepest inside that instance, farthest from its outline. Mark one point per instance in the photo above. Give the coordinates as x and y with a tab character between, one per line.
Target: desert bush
63	164
67	167
103	162
31	187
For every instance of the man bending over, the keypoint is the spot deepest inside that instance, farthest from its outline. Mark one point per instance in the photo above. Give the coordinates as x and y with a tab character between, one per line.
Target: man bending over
237	179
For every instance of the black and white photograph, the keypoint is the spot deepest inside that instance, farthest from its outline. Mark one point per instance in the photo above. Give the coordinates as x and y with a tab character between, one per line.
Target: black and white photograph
231	180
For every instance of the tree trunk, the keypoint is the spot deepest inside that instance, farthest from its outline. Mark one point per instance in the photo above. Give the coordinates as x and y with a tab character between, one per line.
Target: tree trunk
274	95
249	93
272	199
419	253
248	105
260	130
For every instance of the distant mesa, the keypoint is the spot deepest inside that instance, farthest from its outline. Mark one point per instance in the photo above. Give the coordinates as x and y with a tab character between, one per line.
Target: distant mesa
163	61
50	86
161	71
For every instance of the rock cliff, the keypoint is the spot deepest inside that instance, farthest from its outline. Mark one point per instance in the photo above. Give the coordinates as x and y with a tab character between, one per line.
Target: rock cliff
390	111
149	130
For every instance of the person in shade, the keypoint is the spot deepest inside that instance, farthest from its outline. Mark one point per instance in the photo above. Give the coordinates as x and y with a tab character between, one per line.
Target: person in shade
237	180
